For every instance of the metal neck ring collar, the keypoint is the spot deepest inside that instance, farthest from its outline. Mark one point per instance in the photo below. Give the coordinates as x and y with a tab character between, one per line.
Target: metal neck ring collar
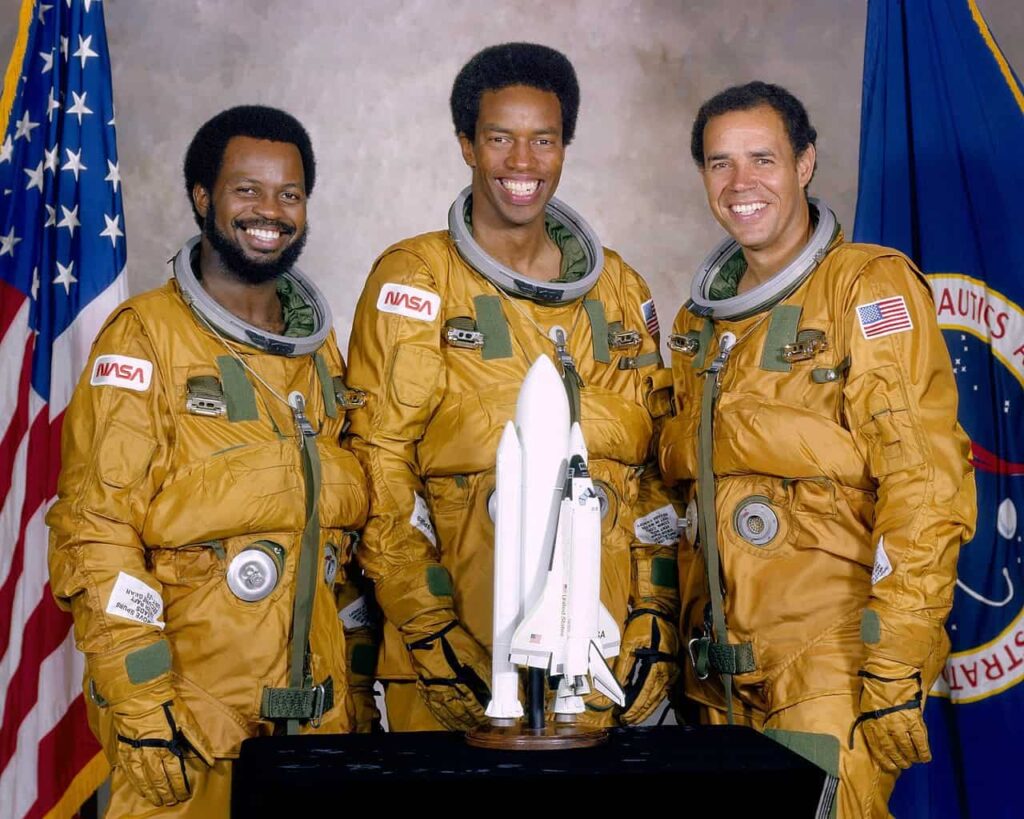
514	283
231	326
769	293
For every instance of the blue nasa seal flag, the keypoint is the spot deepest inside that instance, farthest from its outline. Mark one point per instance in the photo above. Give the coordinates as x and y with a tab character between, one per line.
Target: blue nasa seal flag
941	173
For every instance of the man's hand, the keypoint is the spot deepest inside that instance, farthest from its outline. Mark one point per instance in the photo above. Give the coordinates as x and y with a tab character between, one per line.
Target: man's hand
361	648
152	741
891	717
648	663
454	671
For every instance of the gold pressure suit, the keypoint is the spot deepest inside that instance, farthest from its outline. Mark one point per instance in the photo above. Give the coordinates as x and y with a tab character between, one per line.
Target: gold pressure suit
841	495
428	436
157	503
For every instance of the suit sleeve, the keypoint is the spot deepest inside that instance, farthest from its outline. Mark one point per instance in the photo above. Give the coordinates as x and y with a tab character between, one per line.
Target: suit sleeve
394	357
901	408
116	440
654	576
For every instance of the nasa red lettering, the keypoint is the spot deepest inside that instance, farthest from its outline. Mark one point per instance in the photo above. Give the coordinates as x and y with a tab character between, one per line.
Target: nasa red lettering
411	302
122	371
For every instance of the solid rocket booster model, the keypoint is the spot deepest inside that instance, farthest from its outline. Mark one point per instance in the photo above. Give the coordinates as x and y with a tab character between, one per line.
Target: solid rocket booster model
547	556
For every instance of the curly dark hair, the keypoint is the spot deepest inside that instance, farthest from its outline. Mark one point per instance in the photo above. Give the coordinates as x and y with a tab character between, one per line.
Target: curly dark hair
500	66
206	151
752	95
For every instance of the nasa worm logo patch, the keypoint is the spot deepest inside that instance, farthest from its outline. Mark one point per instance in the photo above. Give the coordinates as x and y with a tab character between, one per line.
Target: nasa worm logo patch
122	371
410	302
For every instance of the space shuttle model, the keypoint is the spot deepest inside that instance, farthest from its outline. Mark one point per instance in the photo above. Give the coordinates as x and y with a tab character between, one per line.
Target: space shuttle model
548	615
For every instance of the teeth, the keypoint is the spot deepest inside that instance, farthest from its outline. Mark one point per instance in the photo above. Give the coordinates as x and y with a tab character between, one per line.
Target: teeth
746	210
265	235
518	187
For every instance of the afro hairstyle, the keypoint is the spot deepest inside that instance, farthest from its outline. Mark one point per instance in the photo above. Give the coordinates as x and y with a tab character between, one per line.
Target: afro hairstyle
205	153
500	66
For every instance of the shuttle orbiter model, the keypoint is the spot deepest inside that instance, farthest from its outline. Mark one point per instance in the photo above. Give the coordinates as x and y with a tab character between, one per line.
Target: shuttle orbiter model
547	556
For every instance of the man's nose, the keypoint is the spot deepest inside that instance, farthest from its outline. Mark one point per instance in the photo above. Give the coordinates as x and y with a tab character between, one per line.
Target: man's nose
521	154
744	177
268	205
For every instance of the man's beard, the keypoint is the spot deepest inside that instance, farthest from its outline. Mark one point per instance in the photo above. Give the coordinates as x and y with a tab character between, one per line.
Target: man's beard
253	271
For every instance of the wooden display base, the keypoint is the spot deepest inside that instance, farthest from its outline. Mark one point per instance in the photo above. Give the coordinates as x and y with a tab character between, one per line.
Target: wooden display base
555	736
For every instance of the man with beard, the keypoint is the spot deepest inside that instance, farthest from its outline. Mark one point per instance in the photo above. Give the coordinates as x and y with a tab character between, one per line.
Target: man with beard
445	331
817	421
205	502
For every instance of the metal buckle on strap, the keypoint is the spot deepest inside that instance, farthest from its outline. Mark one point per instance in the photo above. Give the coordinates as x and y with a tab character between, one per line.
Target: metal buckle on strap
807	345
319	700
466	339
700	659
297	402
306	703
685	344
205	396
623	339
350	398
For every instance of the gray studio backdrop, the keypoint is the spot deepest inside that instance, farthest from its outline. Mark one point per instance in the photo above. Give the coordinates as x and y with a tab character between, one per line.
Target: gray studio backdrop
370	79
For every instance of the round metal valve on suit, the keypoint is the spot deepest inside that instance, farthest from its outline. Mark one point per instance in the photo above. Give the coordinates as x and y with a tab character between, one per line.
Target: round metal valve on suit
330	563
756	521
253	573
688	523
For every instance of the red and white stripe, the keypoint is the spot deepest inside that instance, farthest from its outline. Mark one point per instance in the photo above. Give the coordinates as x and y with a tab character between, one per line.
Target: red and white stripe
44	737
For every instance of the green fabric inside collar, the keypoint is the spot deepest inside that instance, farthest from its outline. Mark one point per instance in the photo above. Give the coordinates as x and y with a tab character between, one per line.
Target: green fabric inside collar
727	282
574	259
298	313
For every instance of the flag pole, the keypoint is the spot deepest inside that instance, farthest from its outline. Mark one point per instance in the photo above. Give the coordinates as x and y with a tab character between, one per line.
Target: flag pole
14	67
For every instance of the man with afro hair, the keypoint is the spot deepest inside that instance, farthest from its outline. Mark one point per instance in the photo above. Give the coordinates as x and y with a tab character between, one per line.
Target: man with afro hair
190	539
447	326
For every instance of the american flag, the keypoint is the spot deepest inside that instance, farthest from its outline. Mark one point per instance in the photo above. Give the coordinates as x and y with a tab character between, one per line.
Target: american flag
650	317
884	317
62	258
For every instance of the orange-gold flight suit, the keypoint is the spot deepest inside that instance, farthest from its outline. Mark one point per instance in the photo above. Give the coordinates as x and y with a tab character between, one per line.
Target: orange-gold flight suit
428	437
841	495
181	469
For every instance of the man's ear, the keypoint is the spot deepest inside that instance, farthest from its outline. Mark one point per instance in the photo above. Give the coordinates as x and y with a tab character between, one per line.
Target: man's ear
805	165
201	199
468	155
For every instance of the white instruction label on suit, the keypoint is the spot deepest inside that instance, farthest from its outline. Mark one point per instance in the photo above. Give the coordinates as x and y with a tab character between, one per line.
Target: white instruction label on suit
134	600
421	518
882	568
356	614
660	526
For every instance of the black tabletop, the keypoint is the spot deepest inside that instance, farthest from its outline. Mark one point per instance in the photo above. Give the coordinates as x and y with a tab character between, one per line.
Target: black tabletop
730	770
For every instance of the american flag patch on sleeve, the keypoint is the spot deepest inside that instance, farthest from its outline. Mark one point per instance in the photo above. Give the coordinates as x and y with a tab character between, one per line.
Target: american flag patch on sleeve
650	317
884	317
